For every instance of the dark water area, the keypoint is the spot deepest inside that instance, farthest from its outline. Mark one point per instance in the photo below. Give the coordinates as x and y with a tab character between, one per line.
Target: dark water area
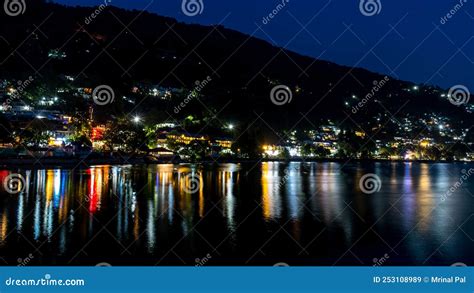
239	214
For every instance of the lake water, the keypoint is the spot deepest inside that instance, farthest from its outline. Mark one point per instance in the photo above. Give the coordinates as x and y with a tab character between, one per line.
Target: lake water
239	214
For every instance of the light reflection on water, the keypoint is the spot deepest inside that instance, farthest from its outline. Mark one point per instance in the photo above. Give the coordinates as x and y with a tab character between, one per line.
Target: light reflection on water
306	213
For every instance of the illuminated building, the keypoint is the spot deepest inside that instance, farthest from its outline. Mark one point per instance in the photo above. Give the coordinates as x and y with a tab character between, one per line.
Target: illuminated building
425	143
59	138
225	144
185	138
165	125
410	155
98	133
161	152
97	136
56	142
272	150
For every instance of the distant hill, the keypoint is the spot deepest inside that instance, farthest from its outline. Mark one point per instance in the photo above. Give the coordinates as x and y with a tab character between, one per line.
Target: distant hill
160	50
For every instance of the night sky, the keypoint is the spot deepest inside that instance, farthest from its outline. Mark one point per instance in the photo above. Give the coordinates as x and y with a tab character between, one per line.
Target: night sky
420	48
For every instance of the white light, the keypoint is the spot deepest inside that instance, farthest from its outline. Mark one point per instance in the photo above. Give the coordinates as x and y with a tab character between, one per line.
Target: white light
294	152
231	126
136	119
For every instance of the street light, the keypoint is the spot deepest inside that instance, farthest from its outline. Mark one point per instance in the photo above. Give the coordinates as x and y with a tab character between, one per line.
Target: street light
136	119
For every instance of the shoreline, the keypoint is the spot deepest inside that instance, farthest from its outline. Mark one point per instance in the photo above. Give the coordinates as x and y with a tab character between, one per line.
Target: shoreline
87	162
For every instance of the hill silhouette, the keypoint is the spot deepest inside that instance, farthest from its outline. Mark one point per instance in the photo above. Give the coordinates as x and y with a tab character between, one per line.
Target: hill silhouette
124	48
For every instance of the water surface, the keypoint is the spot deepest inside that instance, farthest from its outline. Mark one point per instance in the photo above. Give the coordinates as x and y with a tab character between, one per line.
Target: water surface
239	214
